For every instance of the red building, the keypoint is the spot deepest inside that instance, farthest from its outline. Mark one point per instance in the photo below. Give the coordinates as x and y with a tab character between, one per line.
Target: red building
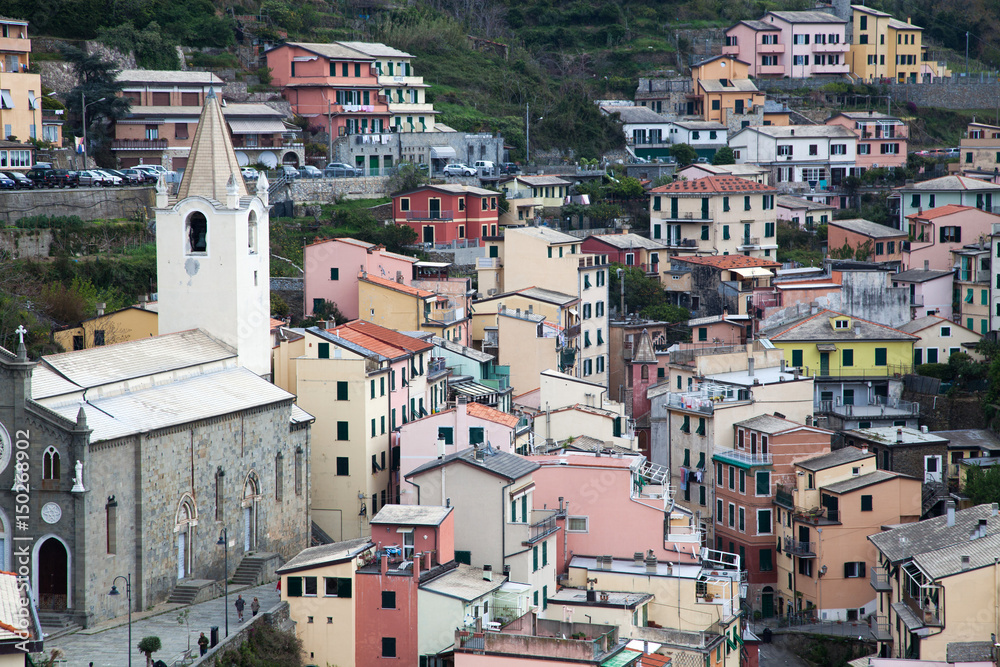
746	481
630	250
448	214
331	80
412	540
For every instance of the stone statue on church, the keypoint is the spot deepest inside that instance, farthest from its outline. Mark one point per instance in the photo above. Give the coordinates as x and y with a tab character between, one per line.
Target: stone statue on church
78	480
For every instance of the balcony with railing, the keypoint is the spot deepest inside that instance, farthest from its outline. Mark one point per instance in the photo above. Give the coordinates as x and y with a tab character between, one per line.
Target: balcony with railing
545	524
770	70
437	366
488	263
886	407
770	48
784	497
446	316
139	144
880	629
746	457
706	397
800	549
749	242
839	47
879	577
859	373
430	215
680	243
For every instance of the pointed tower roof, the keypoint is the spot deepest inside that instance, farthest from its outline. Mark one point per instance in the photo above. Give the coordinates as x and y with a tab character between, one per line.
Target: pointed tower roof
212	160
644	350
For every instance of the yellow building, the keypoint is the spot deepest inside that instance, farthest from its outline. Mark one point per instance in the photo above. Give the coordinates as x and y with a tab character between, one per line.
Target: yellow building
120	326
822	523
884	47
972	287
980	150
723	90
21	108
715	215
937	581
553	261
318	585
401	307
529	196
558	309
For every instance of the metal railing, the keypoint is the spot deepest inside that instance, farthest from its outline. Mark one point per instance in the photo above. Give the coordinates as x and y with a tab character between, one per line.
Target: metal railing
750	240
797	548
488	263
541	529
784	497
744	456
879	577
437	366
882	406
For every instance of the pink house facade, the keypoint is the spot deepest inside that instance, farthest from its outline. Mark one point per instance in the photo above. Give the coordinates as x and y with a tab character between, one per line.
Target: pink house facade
930	291
790	44
596	492
332	268
882	139
450	431
938	231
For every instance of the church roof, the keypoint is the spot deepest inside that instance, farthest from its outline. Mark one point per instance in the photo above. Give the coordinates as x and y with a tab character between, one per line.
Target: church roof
644	351
212	160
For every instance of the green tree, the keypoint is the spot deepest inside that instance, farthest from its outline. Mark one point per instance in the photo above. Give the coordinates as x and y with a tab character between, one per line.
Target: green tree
626	188
151	47
406	177
684	154
149	646
98	82
666	312
641	291
982	485
724	156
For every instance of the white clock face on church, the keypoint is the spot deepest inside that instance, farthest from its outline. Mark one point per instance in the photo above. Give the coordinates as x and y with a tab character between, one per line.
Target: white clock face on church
5	448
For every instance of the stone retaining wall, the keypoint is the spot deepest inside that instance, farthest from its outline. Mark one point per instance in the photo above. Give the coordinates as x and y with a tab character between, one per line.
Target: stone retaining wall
279	616
954	93
324	190
87	203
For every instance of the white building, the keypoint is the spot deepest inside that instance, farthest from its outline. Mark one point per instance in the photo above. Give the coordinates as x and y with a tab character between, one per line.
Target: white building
646	132
212	241
814	156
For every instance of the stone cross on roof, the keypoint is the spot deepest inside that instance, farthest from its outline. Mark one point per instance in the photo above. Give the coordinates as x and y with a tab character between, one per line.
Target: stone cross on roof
212	160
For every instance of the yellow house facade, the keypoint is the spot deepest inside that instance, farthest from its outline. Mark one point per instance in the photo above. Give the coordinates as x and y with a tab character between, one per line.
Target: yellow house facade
406	308
120	326
835	344
722	88
557	308
318	585
528	196
21	110
884	47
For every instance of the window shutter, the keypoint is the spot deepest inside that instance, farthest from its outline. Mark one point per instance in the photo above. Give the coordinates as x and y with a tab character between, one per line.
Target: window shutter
476	435
861	569
344	587
294	586
847	570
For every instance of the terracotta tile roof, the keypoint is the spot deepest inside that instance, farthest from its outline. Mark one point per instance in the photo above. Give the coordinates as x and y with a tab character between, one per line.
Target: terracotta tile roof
379	339
393	285
708	184
490	414
730	261
940	211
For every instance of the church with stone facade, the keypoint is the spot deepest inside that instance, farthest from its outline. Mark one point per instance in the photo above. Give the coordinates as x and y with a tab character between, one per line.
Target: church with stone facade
134	458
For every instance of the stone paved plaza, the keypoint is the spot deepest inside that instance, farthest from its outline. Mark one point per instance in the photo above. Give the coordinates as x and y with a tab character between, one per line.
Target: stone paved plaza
105	645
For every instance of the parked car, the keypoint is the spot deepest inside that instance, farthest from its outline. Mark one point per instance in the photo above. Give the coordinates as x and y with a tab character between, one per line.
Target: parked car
53	178
310	171
485	165
458	170
126	178
509	168
21	181
7	183
703	160
158	168
142	176
249	174
338	169
288	171
110	179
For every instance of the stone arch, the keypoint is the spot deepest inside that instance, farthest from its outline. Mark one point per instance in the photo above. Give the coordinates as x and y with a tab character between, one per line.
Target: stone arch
185	524
252	233
290	158
53	588
250	503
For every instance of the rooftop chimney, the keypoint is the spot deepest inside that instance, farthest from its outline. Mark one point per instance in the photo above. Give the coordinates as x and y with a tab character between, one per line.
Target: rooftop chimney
651	563
966	562
100	308
638	559
591	595
750	366
993	510
927	265
782	365
899	435
950	510
487	573
440	444
864	449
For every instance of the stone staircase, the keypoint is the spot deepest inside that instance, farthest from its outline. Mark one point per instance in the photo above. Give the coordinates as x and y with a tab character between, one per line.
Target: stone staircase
192	591
57	624
932	494
254	569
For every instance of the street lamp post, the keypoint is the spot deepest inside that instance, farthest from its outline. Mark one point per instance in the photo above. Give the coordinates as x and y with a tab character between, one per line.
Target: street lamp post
84	105
128	596
224	542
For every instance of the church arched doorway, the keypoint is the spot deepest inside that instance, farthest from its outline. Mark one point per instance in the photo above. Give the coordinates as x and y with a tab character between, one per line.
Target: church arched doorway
53	575
251	494
184	528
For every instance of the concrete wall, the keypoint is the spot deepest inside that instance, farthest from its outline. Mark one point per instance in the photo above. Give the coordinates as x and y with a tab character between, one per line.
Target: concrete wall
954	93
327	189
277	615
88	204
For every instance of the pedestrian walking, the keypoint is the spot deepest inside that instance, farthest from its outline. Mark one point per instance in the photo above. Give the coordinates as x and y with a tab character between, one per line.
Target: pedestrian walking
240	603
255	606
203	643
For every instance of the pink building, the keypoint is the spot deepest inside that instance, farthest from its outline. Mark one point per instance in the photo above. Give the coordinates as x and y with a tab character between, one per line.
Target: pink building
881	138
386	595
596	492
930	291
332	267
449	431
790	44
724	329
937	231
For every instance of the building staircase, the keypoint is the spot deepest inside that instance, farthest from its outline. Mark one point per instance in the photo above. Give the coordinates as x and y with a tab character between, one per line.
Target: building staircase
57	624
254	569
192	591
931	495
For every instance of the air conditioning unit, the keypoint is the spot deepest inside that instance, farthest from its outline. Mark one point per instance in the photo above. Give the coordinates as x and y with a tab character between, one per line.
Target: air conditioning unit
491	291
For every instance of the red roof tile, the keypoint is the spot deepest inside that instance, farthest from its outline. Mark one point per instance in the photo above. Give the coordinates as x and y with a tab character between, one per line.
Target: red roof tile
490	414
393	285
379	339
940	211
730	261
716	184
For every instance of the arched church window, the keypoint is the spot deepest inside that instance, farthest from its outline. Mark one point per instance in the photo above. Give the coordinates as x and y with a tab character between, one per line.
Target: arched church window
197	233
50	464
252	233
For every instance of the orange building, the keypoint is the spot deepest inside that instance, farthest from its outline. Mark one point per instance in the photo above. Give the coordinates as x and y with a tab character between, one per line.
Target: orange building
20	94
722	89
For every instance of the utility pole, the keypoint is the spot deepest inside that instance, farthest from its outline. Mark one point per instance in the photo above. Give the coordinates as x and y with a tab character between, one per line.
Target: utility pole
966	54
621	307
527	134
